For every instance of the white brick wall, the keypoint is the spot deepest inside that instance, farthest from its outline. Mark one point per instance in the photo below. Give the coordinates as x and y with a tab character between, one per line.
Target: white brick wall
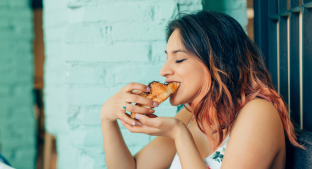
93	49
55	22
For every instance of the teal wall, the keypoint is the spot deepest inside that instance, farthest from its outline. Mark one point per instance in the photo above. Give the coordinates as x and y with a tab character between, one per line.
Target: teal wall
17	121
93	49
235	8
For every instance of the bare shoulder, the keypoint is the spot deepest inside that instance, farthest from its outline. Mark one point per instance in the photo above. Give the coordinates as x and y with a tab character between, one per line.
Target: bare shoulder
259	114
256	137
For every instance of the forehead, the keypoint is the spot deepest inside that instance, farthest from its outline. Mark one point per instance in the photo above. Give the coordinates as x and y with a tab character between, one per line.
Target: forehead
174	42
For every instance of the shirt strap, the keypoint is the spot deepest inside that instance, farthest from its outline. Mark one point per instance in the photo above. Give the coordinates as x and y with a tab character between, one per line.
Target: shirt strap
190	121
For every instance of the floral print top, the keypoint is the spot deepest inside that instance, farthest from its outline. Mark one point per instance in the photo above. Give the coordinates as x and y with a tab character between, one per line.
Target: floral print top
213	161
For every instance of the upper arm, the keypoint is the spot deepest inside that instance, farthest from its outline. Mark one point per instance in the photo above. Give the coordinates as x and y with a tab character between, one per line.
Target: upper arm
256	137
160	152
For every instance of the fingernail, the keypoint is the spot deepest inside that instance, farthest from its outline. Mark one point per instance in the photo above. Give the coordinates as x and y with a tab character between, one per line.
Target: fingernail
133	123
138	116
151	110
148	89
155	104
140	124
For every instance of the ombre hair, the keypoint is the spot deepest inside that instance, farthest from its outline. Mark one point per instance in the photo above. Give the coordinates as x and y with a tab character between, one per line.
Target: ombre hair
234	72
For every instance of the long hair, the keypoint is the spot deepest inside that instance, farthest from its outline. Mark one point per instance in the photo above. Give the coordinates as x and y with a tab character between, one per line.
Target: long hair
234	72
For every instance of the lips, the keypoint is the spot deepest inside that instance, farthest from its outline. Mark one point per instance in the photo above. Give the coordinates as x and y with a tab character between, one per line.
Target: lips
172	82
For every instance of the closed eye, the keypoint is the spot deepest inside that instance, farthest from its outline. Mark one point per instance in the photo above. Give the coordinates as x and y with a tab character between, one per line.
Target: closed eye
179	61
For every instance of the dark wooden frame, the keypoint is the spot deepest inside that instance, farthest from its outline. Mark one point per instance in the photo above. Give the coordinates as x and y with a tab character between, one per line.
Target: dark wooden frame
277	33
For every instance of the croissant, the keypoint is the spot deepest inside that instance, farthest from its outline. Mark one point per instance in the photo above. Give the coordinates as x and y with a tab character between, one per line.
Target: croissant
159	92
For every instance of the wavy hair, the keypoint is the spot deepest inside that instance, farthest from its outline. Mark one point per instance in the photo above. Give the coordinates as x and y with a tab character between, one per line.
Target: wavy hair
234	72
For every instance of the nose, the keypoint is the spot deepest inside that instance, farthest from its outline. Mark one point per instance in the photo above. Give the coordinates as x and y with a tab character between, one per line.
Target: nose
166	70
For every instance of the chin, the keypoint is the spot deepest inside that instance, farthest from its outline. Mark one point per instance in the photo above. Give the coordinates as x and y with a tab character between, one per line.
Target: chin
173	102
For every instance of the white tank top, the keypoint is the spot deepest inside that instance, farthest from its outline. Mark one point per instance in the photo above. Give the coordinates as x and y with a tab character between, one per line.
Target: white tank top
213	161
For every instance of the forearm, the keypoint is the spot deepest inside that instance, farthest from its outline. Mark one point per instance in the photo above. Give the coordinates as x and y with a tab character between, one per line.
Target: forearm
117	154
188	153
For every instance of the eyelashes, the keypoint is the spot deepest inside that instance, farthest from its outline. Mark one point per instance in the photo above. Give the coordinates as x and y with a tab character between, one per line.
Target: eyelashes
179	61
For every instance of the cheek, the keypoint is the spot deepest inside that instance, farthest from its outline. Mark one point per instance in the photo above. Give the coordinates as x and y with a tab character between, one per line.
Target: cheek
187	73
192	78
183	71
196	83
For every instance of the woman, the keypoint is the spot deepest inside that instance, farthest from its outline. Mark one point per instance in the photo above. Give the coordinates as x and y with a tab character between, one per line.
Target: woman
233	119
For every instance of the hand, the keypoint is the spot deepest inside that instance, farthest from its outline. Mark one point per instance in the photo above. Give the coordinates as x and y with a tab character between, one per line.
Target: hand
113	109
159	126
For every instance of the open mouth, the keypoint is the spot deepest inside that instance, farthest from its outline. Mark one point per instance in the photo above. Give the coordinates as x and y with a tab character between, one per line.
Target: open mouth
175	83
178	88
166	83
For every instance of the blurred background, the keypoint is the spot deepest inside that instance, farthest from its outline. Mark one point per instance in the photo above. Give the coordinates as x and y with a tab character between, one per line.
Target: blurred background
60	60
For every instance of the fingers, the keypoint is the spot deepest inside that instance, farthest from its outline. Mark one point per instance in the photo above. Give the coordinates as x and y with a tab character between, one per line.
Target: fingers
141	129
130	98
153	122
151	115
137	92
126	119
136	86
139	109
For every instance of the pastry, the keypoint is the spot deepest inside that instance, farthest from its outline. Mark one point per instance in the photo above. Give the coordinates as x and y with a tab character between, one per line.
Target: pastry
159	92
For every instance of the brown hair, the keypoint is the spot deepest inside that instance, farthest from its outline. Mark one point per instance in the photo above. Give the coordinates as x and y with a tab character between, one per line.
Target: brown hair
234	69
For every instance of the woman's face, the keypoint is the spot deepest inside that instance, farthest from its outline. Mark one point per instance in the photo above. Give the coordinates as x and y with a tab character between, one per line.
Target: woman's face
184	68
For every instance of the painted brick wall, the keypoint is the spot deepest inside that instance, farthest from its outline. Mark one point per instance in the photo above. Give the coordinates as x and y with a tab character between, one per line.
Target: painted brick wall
55	22
17	121
93	49
110	44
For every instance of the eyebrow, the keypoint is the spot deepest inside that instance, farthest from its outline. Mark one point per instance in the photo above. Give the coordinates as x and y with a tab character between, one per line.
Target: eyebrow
175	51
